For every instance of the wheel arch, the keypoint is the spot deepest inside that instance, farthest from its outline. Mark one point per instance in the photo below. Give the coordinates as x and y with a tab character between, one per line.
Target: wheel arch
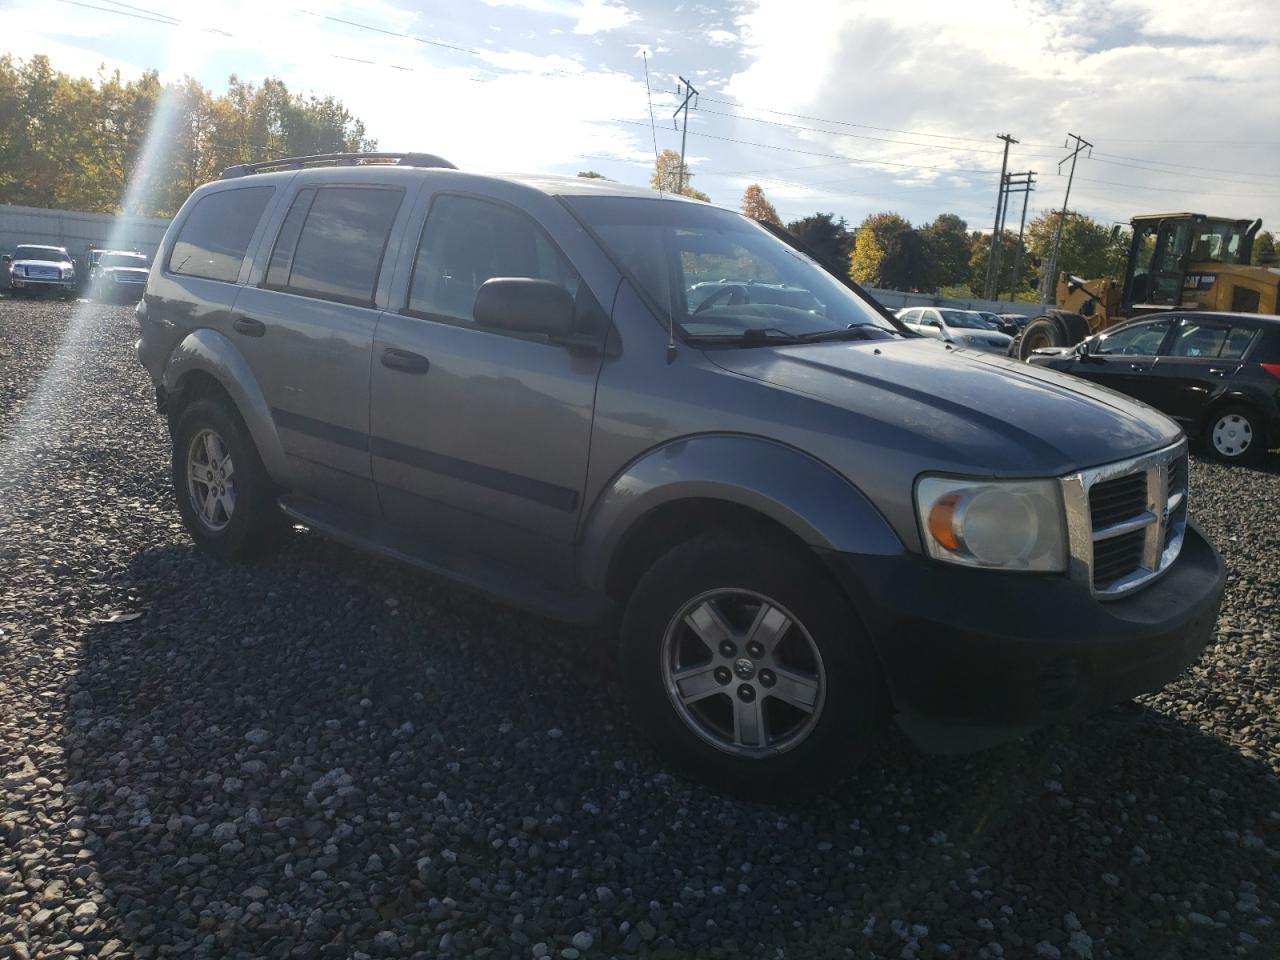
695	485
207	363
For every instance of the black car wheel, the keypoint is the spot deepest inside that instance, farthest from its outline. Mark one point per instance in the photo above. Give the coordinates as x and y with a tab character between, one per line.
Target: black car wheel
744	663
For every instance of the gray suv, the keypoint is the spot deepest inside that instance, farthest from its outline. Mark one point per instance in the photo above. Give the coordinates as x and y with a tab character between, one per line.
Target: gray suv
800	517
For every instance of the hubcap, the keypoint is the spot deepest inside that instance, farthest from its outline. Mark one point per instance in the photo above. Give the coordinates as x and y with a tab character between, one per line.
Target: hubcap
210	483
761	698
1232	435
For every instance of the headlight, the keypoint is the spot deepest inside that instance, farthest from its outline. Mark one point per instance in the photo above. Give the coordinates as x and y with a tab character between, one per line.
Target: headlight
66	273
1007	524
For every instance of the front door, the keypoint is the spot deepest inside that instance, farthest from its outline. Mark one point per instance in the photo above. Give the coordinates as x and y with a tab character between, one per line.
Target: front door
1123	360
480	438
1173	241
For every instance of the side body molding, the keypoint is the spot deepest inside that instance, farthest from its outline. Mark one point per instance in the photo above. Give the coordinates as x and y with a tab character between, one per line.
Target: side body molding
211	352
801	493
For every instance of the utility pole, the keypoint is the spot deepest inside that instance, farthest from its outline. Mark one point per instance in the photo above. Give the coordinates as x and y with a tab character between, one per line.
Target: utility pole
995	230
1050	281
1014	183
689	94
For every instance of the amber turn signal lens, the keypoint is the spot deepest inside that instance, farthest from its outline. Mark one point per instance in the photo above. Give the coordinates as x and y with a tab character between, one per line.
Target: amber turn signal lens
940	516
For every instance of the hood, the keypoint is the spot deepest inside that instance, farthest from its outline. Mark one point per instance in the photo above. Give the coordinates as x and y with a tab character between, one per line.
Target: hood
127	271
962	409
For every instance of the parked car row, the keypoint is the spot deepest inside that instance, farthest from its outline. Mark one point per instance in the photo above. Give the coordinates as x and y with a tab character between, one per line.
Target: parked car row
110	275
965	328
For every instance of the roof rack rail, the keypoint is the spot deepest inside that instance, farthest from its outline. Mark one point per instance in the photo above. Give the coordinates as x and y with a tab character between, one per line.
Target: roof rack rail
337	160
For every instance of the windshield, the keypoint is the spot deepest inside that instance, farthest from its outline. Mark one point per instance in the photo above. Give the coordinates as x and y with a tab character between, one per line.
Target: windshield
717	274
39	253
966	321
122	260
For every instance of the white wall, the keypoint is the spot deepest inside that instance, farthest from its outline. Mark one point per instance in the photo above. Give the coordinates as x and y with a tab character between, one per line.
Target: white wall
896	299
76	231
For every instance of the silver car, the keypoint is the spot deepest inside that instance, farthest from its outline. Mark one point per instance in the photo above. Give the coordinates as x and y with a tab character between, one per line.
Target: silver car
964	328
644	412
37	268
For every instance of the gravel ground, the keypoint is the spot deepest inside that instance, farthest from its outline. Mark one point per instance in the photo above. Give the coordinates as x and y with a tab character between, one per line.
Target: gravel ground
320	754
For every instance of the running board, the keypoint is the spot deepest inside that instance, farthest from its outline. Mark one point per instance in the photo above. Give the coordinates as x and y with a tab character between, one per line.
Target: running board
497	581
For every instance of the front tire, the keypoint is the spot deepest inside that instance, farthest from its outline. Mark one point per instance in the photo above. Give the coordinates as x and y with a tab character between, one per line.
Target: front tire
744	664
1235	435
225	497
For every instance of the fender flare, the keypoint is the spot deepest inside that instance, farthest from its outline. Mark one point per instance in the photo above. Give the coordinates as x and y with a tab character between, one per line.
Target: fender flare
792	488
210	352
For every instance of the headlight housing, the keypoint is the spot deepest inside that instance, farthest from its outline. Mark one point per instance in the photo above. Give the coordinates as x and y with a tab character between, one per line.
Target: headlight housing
1000	524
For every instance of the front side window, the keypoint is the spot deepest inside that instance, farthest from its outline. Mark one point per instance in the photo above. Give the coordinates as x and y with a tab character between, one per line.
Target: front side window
215	236
1141	340
1217	242
332	241
467	241
717	275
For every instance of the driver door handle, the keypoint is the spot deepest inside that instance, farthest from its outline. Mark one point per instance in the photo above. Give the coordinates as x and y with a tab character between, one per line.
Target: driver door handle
1139	367
405	361
1218	371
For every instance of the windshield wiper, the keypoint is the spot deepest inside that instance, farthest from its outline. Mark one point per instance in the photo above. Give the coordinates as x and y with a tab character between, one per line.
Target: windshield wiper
855	331
751	337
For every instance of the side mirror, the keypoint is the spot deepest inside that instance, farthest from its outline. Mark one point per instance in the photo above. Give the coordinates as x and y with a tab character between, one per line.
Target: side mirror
6	258
523	305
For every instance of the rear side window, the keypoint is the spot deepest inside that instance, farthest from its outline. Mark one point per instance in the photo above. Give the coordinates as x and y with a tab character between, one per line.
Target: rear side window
215	236
332	242
466	242
1238	341
1198	340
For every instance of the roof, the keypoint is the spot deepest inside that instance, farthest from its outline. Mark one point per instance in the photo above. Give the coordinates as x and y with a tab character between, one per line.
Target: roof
42	246
1187	216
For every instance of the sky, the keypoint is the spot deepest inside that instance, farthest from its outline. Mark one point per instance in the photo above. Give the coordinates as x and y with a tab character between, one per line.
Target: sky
841	106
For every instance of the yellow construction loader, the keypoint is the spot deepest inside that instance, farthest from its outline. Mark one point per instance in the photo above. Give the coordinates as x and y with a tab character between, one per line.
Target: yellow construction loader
1176	261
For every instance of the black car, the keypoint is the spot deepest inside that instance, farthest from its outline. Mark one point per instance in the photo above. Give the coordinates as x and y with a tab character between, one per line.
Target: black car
1218	374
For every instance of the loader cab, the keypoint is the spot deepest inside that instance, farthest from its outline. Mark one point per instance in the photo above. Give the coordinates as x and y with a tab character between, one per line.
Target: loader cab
1165	245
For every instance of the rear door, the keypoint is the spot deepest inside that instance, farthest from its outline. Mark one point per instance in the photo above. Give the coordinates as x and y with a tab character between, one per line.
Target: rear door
307	329
480	437
1197	365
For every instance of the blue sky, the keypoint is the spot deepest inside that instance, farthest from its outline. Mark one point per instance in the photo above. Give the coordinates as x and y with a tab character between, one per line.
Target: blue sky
834	105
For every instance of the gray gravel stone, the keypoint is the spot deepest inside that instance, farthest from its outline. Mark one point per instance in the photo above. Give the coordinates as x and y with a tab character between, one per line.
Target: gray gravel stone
266	759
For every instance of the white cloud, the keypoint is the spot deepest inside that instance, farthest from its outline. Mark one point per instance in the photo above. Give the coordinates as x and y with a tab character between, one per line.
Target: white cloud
598	16
721	38
1110	70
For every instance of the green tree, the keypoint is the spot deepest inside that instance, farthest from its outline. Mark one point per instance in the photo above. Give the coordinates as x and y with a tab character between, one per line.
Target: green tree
870	245
1087	249
980	255
79	142
1264	249
826	236
666	176
756	206
948	240
908	263
591	175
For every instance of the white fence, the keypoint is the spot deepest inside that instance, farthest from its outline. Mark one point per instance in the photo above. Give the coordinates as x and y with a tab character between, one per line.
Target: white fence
78	231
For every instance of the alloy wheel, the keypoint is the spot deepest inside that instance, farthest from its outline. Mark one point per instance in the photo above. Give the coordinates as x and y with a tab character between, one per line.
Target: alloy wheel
210	480
743	673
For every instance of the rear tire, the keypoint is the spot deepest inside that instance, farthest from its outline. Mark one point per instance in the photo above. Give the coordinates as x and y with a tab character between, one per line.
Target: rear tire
1235	434
784	720
225	497
1060	329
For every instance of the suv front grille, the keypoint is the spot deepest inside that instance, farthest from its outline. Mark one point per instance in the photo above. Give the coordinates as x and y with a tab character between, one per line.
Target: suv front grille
1126	520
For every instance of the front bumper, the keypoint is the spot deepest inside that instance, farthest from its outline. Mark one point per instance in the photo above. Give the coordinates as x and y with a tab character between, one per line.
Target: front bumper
970	656
41	283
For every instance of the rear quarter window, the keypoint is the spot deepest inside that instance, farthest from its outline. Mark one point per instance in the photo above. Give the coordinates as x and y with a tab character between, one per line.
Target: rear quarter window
215	236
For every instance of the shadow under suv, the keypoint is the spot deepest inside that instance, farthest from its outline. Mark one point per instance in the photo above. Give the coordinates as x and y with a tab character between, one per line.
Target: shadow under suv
801	517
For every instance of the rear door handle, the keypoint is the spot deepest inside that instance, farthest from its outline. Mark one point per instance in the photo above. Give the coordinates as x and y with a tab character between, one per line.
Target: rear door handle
1219	371
405	361
1139	367
249	326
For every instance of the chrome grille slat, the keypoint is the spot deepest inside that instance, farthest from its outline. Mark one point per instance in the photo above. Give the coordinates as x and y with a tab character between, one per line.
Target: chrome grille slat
1126	521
